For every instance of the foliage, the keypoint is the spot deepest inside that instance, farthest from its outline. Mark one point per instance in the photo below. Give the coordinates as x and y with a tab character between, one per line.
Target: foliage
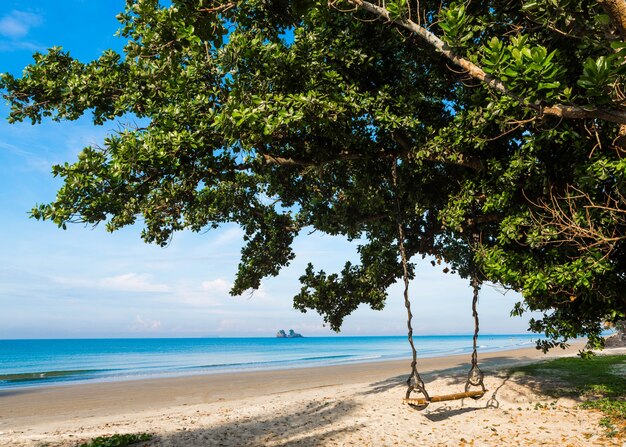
286	116
117	440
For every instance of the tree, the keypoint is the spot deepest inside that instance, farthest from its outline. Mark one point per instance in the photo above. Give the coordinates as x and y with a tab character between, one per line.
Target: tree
492	133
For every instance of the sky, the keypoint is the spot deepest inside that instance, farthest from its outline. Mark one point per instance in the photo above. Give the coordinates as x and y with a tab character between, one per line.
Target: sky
86	283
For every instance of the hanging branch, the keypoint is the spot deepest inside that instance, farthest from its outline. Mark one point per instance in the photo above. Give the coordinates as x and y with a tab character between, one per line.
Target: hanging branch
557	110
571	216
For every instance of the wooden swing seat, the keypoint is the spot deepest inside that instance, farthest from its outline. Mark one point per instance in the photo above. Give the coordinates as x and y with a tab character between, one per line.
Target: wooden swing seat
422	401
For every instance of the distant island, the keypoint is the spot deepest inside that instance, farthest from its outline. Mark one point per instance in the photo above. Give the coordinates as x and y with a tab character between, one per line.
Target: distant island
291	334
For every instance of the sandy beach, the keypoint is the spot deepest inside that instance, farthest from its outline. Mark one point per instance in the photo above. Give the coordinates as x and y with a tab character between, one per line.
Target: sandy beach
358	404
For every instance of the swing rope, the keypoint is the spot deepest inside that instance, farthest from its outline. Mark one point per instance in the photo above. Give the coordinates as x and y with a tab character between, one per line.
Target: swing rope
414	382
475	376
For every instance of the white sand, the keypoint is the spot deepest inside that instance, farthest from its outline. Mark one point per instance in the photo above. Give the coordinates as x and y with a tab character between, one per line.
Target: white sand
353	405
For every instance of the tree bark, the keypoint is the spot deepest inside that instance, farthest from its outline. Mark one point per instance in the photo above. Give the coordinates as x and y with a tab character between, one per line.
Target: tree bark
616	9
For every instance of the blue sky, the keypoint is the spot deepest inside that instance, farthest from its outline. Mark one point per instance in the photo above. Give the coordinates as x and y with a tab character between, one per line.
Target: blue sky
85	282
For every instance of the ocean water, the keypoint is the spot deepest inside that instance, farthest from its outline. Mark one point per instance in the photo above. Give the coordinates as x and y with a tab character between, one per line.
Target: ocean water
27	363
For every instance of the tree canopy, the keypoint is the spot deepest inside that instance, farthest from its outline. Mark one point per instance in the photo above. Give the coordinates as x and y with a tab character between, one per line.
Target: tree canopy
504	121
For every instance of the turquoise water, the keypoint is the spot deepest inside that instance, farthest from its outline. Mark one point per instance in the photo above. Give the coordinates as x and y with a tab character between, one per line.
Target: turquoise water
25	363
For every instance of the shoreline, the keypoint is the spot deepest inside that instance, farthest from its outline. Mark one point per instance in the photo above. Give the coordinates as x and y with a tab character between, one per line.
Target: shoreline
111	369
199	371
25	406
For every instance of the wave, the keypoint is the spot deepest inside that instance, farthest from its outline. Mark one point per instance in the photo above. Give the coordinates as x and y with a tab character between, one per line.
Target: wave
45	375
282	361
41	377
328	357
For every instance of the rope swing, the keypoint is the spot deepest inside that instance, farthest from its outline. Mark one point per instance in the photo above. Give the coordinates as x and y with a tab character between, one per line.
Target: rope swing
415	384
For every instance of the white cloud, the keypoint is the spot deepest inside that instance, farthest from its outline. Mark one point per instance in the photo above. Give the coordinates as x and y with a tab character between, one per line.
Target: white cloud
145	325
257	294
33	161
228	236
128	282
214	294
208	294
133	282
16	45
219	285
17	24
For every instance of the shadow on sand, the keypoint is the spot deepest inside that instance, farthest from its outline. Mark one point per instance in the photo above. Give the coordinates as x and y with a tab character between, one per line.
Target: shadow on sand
294	429
496	367
15	392
311	423
456	375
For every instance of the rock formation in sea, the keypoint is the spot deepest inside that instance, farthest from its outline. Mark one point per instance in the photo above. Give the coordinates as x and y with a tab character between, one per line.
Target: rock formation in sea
291	334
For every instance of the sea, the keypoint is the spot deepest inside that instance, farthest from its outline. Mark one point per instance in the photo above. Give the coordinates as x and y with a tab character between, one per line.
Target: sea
34	363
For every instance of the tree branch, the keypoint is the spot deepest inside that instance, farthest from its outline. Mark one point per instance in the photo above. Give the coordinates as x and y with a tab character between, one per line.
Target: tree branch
558	110
570	215
462	160
467	161
616	9
271	159
482	220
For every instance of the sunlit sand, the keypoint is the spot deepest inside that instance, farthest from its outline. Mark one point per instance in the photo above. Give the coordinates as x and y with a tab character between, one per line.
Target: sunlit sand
347	405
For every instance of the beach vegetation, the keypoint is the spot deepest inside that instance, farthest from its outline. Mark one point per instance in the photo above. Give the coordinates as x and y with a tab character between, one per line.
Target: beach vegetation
118	440
492	133
598	383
